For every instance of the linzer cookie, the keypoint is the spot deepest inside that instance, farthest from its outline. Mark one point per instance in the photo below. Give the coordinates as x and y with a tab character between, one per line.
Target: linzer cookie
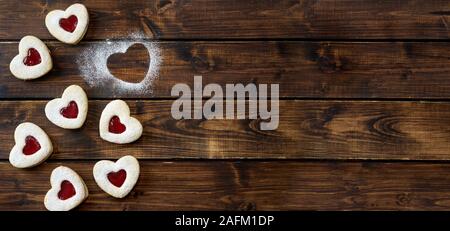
68	26
67	191
33	60
116	124
117	178
70	110
32	146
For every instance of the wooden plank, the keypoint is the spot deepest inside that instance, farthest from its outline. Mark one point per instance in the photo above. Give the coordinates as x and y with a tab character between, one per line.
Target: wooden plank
249	185
217	19
303	69
307	129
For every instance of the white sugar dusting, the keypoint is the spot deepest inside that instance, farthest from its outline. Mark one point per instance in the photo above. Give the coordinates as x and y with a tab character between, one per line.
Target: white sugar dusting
92	64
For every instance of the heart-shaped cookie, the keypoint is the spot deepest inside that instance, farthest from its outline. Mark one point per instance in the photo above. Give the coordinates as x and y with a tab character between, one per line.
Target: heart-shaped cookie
117	178
70	110
67	192
32	146
33	60
116	124
68	26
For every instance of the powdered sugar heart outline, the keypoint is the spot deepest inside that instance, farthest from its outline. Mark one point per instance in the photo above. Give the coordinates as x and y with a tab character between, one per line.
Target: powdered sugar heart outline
93	65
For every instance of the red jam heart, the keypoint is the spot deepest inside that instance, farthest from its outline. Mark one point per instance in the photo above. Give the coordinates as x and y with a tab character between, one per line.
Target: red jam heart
71	111
67	190
117	178
31	146
33	57
115	126
69	24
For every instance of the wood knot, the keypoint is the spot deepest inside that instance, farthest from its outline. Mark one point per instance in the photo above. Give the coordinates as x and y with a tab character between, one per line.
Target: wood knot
317	126
403	199
164	5
201	65
140	107
247	206
406	75
329	64
150	28
328	59
137	193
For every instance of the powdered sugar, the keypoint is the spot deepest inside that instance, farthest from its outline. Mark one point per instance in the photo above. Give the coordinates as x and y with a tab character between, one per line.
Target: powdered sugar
92	64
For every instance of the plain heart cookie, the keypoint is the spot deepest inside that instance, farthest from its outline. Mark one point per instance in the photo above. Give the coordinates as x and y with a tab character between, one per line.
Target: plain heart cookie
67	191
117	178
116	124
68	26
33	60
33	146
70	110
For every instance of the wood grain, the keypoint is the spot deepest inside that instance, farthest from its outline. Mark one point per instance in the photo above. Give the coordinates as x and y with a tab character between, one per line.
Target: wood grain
341	66
307	129
303	69
238	19
249	185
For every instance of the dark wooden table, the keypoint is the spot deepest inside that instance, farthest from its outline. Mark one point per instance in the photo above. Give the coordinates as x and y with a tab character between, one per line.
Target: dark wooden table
364	110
